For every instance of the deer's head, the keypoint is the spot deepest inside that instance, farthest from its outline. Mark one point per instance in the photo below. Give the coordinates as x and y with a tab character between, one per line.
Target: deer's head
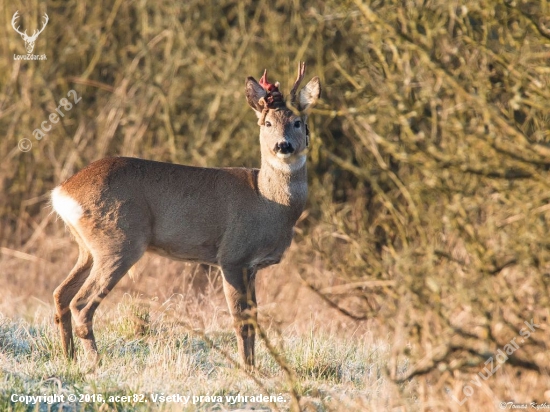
29	40
284	135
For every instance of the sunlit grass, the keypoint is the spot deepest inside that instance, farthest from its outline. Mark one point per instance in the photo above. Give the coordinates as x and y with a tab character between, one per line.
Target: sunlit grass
174	360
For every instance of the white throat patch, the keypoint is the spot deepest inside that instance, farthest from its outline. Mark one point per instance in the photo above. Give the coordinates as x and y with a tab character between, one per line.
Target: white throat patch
287	167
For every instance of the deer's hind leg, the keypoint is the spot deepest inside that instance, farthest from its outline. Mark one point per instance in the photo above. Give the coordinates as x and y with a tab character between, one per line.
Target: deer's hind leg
65	292
107	270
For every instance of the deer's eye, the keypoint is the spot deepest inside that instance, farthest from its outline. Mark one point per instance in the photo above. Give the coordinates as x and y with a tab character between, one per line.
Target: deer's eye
297	124
268	124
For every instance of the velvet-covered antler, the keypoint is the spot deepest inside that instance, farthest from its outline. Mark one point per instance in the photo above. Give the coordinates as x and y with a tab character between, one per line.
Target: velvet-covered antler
301	73
272	100
274	97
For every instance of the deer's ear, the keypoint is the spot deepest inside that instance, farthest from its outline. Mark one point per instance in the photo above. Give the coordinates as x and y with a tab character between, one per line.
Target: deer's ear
254	92
309	95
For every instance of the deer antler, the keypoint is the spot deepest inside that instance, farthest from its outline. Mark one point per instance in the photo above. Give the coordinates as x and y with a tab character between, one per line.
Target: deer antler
24	34
301	73
37	32
273	98
13	20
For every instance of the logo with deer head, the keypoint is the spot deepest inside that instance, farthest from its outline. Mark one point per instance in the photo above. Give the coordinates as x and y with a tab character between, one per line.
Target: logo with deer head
29	40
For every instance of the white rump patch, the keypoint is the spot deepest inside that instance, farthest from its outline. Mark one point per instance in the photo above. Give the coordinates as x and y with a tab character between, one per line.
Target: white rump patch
287	167
66	207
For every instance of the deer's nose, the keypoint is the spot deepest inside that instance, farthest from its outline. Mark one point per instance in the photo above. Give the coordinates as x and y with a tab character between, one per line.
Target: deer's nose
284	148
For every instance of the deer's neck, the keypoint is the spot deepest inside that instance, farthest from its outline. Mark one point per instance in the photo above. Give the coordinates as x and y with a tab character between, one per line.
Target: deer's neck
284	184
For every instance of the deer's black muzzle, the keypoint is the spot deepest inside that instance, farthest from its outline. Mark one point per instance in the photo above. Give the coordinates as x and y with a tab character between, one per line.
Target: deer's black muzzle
284	148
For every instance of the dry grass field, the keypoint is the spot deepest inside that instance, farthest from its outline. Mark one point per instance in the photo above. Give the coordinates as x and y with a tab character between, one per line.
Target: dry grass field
419	276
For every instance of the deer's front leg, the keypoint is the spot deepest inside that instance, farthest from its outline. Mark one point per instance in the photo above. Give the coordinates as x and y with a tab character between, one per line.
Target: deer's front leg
239	289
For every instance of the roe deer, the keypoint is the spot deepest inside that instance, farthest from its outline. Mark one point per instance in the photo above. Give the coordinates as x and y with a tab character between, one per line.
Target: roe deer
238	219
